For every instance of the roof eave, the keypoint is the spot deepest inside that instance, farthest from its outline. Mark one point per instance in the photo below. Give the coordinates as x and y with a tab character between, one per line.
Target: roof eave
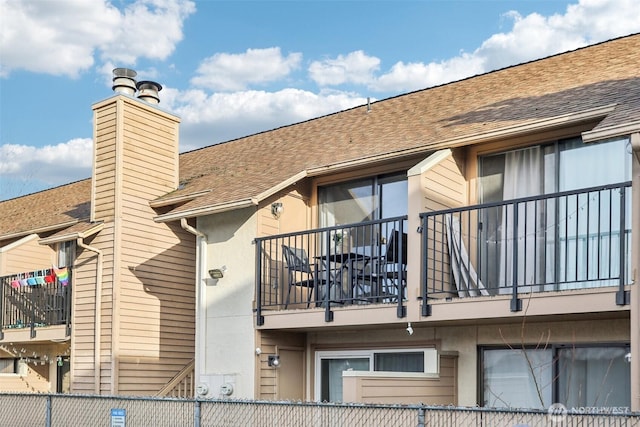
73	236
39	230
609	132
207	210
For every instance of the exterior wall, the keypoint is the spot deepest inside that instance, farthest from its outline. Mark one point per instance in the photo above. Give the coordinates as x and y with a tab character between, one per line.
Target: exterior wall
272	382
395	389
227	331
148	299
436	183
83	340
25	255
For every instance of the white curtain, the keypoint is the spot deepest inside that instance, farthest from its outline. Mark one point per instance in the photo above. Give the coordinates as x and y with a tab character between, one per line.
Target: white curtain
523	176
464	274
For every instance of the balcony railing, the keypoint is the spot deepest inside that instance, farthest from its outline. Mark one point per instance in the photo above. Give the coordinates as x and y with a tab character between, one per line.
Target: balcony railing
568	240
330	267
35	299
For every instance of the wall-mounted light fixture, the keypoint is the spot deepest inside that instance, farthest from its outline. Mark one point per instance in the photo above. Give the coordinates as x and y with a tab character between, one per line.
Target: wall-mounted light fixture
276	209
218	273
273	360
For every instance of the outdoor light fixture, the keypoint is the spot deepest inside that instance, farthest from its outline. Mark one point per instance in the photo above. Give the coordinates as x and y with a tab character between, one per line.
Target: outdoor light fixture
276	209
218	273
273	360
409	329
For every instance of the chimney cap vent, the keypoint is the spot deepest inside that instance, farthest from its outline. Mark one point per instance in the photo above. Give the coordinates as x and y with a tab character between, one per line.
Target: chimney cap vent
148	91
124	81
124	72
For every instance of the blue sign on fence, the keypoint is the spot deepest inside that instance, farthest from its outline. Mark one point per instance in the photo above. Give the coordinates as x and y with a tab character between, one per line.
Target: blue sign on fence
118	417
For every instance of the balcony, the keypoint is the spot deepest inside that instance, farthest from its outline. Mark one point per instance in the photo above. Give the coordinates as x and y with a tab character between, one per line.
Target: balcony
332	267
556	242
553	243
35	299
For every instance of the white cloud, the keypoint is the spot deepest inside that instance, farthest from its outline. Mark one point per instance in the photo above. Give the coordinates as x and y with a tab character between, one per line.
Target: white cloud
355	67
27	168
211	118
531	37
62	37
229	72
414	76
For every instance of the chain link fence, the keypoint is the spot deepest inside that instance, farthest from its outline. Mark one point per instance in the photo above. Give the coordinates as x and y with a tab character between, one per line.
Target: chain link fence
55	410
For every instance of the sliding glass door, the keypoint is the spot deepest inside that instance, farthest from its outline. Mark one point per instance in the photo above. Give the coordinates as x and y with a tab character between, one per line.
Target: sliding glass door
558	243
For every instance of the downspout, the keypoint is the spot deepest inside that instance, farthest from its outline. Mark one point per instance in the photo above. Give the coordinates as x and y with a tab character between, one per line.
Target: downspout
97	324
201	252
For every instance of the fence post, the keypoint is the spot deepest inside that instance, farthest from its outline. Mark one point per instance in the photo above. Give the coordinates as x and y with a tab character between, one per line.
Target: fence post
421	413
47	415
196	414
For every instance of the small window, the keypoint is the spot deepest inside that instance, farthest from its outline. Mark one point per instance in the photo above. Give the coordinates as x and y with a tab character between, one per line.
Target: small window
8	366
406	361
66	254
331	364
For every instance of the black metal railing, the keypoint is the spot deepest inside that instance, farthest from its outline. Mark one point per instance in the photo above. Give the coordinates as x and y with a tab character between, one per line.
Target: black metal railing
567	240
36	299
361	263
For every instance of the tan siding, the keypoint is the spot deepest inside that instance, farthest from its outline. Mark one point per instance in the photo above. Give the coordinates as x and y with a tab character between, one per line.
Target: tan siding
26	257
105	163
269	341
401	390
444	187
149	286
84	308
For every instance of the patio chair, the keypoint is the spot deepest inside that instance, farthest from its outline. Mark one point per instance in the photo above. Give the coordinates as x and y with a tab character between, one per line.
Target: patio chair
390	265
301	273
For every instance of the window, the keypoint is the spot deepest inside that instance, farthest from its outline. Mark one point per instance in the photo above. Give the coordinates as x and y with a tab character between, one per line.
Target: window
363	200
8	366
331	364
551	235
576	376
66	254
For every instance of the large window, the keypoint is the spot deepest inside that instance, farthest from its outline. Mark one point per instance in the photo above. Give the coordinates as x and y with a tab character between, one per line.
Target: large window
331	364
551	236
363	200
576	376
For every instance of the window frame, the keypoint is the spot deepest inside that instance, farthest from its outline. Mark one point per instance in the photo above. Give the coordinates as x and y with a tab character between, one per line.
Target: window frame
15	365
553	348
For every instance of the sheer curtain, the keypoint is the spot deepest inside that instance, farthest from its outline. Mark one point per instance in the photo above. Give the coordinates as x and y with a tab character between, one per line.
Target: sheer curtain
523	176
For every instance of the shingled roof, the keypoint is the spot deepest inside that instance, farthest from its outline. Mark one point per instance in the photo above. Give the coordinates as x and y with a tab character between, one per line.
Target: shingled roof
604	78
585	79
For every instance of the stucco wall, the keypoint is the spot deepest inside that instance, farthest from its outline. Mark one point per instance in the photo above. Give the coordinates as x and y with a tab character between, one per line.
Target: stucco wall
227	331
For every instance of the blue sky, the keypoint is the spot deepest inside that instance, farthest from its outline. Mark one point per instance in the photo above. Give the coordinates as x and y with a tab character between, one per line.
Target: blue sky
233	68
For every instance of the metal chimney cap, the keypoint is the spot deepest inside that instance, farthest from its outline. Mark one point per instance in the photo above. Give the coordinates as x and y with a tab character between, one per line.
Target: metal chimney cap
148	91
124	72
124	81
147	84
